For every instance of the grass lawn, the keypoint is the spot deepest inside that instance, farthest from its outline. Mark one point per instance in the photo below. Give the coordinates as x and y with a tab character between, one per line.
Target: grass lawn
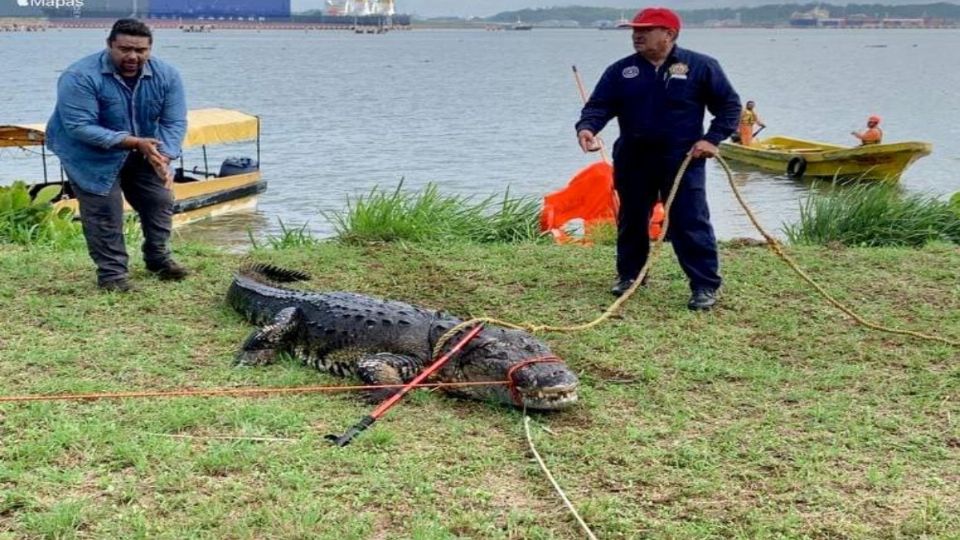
772	417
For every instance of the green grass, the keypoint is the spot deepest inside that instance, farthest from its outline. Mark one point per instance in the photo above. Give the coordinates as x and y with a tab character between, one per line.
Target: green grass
874	215
427	215
289	237
772	417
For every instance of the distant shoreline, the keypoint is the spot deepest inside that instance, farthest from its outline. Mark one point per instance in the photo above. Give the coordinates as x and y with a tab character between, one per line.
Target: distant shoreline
39	25
35	24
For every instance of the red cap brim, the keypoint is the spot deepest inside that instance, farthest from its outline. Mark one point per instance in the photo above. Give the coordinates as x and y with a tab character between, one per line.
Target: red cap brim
648	25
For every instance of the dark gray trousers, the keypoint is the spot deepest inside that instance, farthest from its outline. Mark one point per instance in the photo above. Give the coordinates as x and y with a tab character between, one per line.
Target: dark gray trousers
102	219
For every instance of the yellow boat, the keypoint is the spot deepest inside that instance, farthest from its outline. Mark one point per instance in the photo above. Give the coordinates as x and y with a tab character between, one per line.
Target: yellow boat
798	158
198	193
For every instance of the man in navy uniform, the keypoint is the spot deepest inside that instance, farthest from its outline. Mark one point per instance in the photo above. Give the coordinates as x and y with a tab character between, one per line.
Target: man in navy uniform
658	96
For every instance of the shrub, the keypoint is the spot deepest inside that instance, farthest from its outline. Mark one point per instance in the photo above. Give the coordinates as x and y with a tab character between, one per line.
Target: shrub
874	215
35	221
397	215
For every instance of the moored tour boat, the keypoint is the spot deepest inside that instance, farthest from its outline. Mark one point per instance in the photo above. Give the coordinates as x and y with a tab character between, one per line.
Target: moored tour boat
198	193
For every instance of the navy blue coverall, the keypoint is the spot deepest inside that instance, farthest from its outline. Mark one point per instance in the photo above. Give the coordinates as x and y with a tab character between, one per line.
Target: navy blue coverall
660	112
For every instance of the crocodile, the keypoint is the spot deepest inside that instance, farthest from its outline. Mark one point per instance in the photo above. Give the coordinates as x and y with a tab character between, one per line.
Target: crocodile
387	342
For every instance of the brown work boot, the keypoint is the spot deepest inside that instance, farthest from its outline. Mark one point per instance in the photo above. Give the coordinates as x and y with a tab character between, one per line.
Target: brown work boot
169	271
121	285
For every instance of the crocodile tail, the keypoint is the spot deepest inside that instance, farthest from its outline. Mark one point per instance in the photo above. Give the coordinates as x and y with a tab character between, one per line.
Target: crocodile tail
272	273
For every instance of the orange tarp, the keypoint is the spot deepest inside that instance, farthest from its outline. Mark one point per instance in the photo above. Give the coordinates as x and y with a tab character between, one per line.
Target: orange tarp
589	196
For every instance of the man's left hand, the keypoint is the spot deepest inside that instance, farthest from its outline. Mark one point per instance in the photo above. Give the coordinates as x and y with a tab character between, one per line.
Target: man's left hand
161	165
704	149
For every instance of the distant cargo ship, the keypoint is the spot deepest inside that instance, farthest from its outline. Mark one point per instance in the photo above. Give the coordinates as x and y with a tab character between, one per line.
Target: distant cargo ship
341	13
809	19
820	18
622	24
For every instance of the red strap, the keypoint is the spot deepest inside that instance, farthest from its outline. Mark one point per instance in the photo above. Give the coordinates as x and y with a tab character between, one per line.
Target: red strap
514	368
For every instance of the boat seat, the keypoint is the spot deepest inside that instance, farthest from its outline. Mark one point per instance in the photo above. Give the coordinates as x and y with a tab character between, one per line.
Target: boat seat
180	177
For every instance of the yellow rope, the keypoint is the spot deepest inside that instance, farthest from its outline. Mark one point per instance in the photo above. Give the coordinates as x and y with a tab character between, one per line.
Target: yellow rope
772	242
615	306
777	249
556	486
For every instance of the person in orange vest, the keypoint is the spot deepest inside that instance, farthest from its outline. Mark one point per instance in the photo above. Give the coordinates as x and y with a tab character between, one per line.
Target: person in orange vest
873	134
748	119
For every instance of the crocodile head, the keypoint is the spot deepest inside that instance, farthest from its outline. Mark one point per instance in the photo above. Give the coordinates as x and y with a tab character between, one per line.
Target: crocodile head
500	355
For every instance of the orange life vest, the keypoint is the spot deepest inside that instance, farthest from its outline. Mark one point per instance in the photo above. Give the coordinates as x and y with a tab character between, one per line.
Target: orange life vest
872	136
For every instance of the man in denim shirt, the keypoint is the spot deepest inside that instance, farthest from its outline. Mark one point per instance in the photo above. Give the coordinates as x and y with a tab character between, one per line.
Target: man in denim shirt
120	119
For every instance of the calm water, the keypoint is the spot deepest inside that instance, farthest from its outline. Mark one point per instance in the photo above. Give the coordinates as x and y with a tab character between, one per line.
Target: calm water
477	112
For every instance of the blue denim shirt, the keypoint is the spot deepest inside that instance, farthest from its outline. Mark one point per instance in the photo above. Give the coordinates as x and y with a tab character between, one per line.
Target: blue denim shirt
96	110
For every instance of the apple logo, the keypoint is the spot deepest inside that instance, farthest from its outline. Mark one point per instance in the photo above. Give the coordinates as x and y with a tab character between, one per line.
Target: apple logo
23	3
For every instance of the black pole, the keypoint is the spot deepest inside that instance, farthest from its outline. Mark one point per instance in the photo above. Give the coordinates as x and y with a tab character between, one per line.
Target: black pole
43	157
206	168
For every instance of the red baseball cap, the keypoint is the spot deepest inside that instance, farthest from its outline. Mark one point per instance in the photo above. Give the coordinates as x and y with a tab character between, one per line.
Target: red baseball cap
656	17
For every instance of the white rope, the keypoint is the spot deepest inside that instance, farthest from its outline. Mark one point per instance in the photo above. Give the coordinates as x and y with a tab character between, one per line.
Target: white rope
556	486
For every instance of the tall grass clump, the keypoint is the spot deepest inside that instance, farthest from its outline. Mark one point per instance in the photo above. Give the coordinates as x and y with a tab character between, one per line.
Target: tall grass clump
35	221
289	237
874	215
398	215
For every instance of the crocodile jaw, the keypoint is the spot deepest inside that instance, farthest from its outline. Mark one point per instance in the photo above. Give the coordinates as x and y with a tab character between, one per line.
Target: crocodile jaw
549	399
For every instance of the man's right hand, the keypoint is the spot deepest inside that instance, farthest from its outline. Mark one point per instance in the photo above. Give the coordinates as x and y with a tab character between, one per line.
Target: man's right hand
149	148
588	141
161	165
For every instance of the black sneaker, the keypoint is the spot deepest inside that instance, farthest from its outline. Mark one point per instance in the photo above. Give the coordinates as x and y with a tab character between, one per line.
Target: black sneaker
169	271
624	285
702	300
117	285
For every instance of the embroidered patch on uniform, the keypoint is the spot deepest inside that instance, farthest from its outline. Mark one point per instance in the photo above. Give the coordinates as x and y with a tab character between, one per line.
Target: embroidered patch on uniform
679	70
630	72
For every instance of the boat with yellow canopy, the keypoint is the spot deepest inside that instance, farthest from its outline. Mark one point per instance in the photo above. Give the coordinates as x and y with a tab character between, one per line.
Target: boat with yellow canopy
198	193
798	158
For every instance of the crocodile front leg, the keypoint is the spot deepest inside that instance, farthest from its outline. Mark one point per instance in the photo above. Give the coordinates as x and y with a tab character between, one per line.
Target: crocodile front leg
264	344
386	368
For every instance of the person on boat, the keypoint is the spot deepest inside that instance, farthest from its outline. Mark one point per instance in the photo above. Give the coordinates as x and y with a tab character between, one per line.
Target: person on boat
748	119
119	121
873	134
658	96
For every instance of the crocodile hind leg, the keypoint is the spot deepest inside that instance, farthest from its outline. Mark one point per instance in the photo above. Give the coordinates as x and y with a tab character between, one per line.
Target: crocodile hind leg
263	345
386	368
